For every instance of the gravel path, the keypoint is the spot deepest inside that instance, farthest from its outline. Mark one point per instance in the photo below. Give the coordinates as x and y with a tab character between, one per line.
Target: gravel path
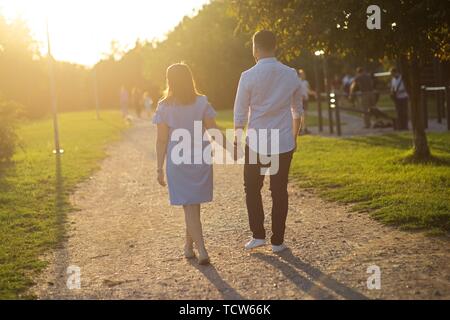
127	242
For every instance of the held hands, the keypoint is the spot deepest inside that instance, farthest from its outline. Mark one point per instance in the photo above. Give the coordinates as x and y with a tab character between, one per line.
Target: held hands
238	151
160	177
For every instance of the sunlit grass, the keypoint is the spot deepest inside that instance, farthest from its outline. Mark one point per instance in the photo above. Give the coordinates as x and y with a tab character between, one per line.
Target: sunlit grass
34	191
371	173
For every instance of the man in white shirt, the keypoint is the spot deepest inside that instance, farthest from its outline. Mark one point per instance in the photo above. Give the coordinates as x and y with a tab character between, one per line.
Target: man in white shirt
269	97
400	97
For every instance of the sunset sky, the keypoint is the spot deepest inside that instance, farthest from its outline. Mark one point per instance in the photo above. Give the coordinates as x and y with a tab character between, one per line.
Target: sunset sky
82	30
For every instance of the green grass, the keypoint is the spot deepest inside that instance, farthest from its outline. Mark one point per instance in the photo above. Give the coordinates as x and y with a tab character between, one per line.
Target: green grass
371	173
225	119
34	191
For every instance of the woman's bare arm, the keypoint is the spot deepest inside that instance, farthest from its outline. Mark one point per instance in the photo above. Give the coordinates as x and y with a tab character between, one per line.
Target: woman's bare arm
162	138
210	123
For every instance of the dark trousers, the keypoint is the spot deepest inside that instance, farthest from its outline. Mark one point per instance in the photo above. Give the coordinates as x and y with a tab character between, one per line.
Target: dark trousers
401	106
253	182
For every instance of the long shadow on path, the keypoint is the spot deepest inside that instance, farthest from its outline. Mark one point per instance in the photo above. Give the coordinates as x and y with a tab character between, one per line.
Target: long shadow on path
210	272
289	265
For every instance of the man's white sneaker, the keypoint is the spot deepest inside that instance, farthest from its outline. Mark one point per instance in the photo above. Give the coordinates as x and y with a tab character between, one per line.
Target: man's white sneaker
255	243
277	249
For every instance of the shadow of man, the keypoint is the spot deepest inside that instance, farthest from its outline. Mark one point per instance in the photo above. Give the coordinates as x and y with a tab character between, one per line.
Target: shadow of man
210	272
289	266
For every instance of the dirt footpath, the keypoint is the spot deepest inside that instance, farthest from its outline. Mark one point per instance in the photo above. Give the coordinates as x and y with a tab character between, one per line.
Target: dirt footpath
128	243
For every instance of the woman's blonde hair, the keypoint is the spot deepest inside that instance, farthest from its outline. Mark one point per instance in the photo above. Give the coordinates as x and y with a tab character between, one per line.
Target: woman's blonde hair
180	85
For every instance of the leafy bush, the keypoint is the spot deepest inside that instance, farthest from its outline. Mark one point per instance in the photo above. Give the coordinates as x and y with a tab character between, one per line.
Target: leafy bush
9	115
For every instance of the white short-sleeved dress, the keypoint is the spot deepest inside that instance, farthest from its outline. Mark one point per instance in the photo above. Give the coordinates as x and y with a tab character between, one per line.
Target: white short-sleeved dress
191	182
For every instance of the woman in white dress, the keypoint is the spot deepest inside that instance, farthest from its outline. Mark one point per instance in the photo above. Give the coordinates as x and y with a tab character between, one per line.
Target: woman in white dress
190	184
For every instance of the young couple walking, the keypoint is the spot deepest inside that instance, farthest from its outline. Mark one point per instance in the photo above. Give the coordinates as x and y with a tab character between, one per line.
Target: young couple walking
269	96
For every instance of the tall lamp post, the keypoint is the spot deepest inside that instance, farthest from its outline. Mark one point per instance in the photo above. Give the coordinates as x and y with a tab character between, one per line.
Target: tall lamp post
321	53
53	96
318	54
97	102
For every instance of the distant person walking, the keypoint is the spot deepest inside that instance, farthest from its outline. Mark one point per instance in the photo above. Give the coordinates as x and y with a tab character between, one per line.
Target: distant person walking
400	97
148	103
137	101
363	84
124	101
346	83
306	92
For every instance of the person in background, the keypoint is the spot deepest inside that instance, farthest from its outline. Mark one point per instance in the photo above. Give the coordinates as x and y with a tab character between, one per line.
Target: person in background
124	100
137	101
133	99
148	103
306	92
400	97
363	84
346	83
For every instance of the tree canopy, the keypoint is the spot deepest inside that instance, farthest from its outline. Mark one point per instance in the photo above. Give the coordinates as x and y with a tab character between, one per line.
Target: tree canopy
339	27
412	32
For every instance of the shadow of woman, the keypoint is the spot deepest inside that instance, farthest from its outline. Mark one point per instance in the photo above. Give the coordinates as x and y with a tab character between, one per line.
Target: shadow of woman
302	283
210	272
292	263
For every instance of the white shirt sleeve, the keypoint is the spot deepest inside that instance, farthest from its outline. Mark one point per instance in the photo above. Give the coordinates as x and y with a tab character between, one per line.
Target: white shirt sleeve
393	84
242	103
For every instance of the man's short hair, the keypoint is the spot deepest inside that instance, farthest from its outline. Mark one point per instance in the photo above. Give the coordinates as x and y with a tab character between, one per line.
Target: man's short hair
265	40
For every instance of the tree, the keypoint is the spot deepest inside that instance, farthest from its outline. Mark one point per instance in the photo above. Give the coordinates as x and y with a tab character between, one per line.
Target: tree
208	43
412	32
24	74
9	115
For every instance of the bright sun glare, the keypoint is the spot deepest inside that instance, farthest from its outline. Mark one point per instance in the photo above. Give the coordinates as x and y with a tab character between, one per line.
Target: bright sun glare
82	30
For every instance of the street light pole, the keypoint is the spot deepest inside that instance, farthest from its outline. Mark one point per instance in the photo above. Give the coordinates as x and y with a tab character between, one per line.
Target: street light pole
97	102
318	91
53	96
318	54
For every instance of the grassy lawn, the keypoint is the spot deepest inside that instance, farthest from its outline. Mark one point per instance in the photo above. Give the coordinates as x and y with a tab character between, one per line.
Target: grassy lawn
369	172
34	190
225	119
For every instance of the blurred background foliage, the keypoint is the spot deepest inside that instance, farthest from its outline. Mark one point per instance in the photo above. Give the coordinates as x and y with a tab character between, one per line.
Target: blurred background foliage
216	43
